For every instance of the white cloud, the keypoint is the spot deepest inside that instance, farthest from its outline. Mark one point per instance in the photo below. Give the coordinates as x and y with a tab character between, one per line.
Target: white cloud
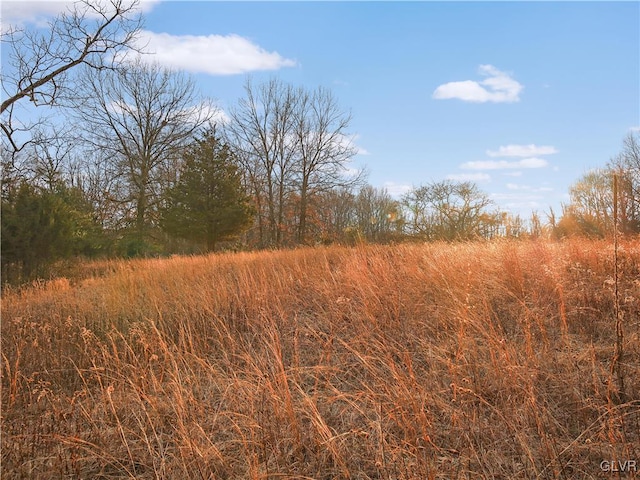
340	141
195	113
469	177
530	205
351	172
350	141
504	164
20	12
212	54
359	150
207	110
220	117
519	197
396	189
522	151
528	188
498	87
521	202
147	5
512	174
635	129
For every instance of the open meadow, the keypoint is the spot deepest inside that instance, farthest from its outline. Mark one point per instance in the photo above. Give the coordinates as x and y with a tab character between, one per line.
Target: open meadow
411	361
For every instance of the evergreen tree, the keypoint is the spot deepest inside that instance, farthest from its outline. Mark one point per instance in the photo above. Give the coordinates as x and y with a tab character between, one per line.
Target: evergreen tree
208	203
40	226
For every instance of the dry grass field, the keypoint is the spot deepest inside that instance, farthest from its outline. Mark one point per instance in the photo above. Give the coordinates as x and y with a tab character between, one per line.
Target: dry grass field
461	361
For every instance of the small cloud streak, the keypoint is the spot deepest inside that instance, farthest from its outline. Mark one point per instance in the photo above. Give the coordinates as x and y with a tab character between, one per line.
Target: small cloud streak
351	172
469	177
207	110
352	141
504	164
211	54
522	151
516	197
528	188
498	87
396	189
195	113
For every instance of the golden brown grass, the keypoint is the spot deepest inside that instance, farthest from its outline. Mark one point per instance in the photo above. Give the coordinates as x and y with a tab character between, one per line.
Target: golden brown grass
487	360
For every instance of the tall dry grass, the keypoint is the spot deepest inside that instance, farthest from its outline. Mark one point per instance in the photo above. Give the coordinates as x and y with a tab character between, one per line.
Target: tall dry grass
413	361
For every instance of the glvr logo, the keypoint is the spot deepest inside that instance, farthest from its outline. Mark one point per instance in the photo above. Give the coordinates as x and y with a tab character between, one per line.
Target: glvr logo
619	466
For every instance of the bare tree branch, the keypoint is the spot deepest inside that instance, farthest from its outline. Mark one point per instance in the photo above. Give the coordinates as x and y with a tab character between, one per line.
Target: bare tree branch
90	33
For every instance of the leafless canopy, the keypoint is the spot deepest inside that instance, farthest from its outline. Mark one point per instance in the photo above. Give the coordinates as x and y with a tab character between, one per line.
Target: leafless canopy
627	165
294	145
140	116
92	33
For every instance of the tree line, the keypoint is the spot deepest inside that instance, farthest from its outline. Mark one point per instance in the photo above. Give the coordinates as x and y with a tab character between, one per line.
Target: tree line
590	210
136	162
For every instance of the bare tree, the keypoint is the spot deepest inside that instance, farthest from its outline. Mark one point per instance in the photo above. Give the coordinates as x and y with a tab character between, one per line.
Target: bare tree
447	210
293	144
417	203
336	214
378	216
49	157
261	132
40	63
92	171
140	116
627	165
45	163
324	148
592	202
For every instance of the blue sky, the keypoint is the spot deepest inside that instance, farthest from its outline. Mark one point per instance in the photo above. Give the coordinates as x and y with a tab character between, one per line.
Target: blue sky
521	97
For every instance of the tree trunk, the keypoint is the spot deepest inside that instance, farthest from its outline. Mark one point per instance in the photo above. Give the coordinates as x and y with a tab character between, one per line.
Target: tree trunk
141	208
302	224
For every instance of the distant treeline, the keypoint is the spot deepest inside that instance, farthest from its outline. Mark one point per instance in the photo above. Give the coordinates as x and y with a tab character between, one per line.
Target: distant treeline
134	162
49	215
